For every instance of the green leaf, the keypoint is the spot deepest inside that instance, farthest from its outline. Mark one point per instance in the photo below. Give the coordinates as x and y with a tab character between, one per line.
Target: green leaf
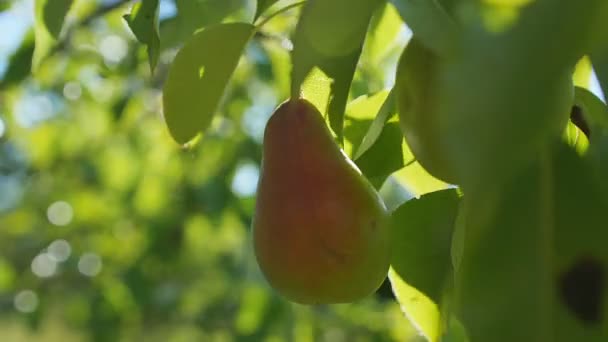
360	113
384	151
571	209
581	264
196	14
510	80
316	88
20	63
48	21
539	239
600	66
143	21
422	238
263	5
421	263
504	277
595	114
193	15
455	332
318	43
582	73
387	110
385	26
336	27
422	313
430	23
198	76
594	110
417	180
54	15
599	54
365	107
4	5
389	154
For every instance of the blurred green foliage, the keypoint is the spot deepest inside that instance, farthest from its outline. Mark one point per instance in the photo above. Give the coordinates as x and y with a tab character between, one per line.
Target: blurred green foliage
110	231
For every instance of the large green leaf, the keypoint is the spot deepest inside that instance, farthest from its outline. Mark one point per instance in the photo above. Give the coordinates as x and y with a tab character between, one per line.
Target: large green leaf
193	15
336	27
196	14
600	65
430	22
316	88
503	278
48	22
421	262
422	238
595	115
455	332
539	239
593	109
143	21
581	256
504	94
599	54
198	76
317	43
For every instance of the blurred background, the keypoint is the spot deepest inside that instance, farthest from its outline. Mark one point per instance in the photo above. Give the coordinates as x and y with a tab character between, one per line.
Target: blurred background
110	231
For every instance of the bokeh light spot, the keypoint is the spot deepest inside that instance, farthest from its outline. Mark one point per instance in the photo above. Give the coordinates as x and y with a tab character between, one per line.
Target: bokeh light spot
89	264
113	49
2	128
11	190
26	301
72	91
254	121
245	181
60	250
32	109
60	213
44	265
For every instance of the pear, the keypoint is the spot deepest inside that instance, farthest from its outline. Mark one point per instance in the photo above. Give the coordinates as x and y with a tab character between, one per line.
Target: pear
320	230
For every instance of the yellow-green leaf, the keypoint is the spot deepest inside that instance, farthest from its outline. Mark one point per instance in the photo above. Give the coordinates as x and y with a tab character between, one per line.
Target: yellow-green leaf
263	5
419	309
143	21
322	41
48	22
582	73
198	76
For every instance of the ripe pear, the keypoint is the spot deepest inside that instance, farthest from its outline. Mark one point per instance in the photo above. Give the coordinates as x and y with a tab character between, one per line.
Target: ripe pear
320	230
